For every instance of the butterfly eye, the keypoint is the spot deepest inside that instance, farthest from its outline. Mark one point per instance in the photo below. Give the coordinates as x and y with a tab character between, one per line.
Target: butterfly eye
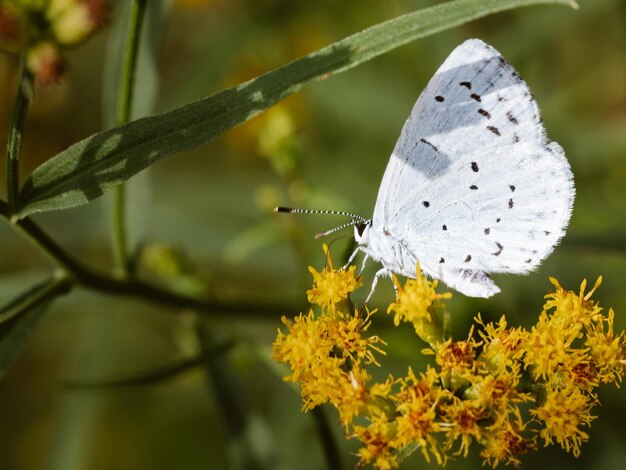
360	229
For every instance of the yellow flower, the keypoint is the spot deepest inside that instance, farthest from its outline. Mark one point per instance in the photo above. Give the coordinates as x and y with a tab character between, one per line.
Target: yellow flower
570	308
417	421
376	437
415	303
506	444
607	350
563	412
456	360
477	392
331	288
463	420
305	340
501	344
326	356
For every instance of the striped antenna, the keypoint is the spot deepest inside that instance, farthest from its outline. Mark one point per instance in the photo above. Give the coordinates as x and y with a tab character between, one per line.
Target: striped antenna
317	211
333	230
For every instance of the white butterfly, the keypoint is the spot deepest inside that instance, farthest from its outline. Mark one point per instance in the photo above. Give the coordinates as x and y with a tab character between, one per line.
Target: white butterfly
473	186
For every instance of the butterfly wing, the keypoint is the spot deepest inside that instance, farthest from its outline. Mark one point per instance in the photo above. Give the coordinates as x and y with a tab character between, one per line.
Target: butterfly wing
472	186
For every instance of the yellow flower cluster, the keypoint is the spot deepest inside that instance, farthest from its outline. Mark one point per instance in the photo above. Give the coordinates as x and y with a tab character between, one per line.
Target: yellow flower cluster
501	389
41	29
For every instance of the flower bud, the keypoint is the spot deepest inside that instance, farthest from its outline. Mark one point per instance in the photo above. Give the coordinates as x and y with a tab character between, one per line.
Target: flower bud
73	21
45	61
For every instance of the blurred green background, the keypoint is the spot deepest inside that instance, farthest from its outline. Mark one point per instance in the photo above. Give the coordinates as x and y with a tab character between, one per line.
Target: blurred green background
326	147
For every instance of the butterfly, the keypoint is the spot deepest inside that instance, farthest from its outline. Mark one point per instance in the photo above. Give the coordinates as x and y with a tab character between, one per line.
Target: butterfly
473	185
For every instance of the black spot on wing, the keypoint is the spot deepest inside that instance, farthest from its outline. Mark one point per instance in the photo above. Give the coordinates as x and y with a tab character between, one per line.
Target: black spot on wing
475	167
426	203
444	228
494	129
439	98
510	203
512	187
515	138
473	187
485	113
487	231
467	85
468	259
512	118
475	97
442	260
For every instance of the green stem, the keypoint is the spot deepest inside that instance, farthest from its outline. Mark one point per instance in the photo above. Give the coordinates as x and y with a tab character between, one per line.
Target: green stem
16	133
123	259
151	377
56	285
325	433
84	276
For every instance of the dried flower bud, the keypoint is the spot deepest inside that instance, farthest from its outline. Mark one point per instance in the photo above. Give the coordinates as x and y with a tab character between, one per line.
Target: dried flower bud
45	62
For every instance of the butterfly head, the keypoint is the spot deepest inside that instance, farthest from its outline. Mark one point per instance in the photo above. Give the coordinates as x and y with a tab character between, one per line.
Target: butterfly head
362	231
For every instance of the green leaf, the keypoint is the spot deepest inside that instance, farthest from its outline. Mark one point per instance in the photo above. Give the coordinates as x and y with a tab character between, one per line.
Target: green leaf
88	168
19	317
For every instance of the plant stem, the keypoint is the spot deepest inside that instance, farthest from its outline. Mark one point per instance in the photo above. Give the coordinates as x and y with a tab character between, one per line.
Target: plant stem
82	275
16	133
122	257
325	433
150	377
56	285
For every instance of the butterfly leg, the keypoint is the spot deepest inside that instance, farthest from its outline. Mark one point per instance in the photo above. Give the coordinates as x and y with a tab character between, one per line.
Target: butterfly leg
365	258
352	256
379	273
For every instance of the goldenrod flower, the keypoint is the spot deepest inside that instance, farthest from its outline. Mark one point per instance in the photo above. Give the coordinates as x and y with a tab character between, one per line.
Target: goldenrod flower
501	390
416	298
563	413
607	350
570	308
417	420
331	288
456	360
506	444
416	302
501	345
376	437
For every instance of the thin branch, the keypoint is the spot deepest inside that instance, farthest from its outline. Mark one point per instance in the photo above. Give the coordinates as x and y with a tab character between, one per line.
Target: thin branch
82	275
327	439
119	235
151	377
56	285
16	134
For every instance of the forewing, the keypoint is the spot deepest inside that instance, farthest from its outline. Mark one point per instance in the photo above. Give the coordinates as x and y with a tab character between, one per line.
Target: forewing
473	187
475	101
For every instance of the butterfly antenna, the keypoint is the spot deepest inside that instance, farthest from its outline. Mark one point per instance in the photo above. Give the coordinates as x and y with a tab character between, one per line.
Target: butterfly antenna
318	211
333	230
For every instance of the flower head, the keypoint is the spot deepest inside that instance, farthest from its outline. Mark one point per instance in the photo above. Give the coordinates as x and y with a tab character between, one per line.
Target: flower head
501	390
563	413
331	287
415	303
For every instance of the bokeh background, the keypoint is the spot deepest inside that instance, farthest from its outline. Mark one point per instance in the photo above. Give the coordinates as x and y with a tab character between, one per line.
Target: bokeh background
203	220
